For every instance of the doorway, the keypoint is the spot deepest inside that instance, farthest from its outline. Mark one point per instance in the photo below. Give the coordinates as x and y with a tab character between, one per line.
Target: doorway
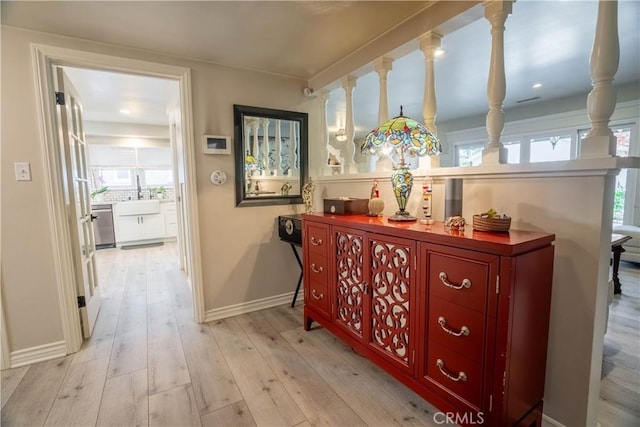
46	60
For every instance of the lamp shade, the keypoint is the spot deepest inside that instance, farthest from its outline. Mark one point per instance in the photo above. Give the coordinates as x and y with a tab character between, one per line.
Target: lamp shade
402	134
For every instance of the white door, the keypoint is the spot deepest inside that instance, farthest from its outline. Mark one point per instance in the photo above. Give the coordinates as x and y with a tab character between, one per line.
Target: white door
74	149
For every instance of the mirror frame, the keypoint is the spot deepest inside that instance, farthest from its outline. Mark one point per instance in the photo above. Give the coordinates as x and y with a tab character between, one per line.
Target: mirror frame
239	113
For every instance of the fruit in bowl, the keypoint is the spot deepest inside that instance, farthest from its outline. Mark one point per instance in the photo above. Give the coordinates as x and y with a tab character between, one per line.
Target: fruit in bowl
491	213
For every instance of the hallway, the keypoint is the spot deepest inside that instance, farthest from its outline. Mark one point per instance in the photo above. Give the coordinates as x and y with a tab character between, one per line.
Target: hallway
149	363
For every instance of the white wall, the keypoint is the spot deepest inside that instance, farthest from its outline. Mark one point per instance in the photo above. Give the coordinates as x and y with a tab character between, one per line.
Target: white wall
243	260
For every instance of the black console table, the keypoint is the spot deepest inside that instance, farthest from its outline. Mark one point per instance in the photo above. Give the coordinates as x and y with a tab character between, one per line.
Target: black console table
290	231
295	252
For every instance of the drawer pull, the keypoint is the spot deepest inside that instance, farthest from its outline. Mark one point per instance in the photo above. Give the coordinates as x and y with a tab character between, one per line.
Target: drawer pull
316	269
316	242
461	375
443	324
466	283
316	295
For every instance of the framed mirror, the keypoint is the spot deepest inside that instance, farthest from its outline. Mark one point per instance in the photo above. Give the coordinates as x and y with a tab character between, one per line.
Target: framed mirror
270	155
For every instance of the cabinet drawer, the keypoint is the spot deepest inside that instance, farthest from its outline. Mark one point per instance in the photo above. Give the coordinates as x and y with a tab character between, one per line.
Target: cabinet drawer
455	372
460	280
316	239
318	268
456	327
317	296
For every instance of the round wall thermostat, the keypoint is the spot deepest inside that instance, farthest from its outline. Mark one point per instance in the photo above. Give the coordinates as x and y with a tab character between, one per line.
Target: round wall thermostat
218	177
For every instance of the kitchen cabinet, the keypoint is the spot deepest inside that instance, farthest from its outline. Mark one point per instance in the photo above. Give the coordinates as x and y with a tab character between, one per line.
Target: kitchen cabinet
140	227
461	318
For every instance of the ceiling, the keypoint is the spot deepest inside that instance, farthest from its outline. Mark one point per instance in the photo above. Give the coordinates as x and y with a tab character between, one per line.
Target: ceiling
547	42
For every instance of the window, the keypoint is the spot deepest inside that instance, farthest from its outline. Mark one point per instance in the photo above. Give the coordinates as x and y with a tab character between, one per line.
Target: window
113	177
157	177
550	149
469	154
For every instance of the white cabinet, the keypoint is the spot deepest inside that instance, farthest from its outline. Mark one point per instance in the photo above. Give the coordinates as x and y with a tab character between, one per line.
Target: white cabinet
140	227
168	209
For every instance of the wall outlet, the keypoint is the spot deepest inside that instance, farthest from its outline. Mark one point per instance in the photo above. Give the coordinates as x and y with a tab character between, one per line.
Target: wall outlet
23	171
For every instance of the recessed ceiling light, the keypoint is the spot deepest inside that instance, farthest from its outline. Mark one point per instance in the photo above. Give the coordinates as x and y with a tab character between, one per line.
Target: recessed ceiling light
125	111
536	85
439	52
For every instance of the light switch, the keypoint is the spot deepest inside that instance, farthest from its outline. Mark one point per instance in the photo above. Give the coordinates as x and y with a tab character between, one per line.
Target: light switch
23	171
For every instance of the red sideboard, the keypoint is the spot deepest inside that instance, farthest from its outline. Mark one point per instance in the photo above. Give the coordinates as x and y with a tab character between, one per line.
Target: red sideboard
462	318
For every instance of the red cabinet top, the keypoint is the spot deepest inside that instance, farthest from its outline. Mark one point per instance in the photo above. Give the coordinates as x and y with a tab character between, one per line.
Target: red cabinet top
508	244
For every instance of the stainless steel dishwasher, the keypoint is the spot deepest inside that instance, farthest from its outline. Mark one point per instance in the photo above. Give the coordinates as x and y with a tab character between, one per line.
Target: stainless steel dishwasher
102	218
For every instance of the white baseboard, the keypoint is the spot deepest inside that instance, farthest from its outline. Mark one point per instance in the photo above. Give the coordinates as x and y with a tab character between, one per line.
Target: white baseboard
255	305
549	420
37	354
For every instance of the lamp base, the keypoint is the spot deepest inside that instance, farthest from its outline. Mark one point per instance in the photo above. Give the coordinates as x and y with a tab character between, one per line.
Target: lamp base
402	216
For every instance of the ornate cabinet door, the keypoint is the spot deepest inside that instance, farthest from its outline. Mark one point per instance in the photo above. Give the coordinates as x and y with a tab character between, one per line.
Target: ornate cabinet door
390	293
349	280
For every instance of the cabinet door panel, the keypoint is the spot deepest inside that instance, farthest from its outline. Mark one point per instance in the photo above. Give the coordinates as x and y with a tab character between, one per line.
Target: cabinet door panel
129	228
153	226
392	263
349	280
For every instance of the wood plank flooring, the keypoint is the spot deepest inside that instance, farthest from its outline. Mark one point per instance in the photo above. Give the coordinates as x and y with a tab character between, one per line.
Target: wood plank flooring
149	363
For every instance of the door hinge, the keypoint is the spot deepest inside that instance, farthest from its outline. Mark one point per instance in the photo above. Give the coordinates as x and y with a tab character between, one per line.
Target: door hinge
81	302
504	379
413	357
490	402
59	98
497	284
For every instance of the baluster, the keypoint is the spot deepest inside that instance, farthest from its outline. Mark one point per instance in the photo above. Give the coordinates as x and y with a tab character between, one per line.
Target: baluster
292	149
265	147
429	43
382	66
254	127
601	103
323	152
496	13
348	84
276	143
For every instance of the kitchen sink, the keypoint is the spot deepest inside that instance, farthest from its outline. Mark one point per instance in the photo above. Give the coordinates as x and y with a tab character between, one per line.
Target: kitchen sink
138	207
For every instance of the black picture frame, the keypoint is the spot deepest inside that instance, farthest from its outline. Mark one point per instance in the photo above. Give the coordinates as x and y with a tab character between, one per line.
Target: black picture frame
240	112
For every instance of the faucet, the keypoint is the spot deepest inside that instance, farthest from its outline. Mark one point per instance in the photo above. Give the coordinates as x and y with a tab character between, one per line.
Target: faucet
139	187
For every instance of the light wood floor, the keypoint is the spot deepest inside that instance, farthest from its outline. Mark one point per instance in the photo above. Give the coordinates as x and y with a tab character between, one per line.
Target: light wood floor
149	363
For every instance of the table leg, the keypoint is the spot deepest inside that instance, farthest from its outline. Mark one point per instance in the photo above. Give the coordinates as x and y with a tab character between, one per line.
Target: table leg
295	295
617	251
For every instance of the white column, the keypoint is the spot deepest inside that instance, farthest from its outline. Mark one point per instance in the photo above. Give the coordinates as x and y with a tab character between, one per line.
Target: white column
348	83
247	137
605	56
322	152
254	127
292	149
496	13
429	43
277	145
382	66
265	146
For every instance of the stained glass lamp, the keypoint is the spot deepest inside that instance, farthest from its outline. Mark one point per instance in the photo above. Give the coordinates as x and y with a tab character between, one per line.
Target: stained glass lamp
401	137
